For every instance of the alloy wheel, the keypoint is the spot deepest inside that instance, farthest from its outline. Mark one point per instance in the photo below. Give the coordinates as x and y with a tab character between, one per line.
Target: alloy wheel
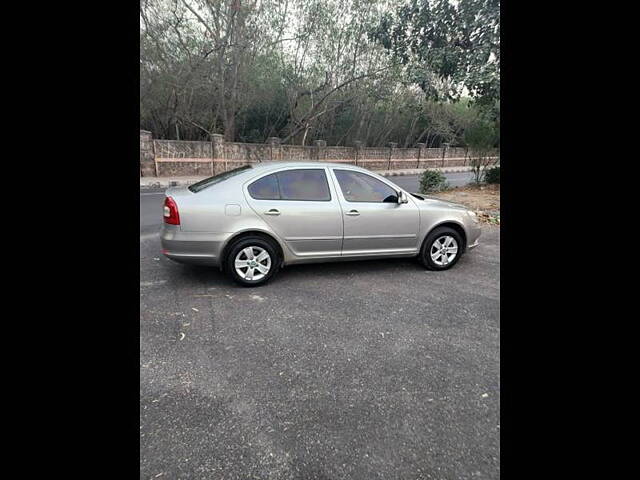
252	263
444	250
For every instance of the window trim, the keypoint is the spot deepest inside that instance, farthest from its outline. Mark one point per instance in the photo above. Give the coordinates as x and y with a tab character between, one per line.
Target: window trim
321	169
362	173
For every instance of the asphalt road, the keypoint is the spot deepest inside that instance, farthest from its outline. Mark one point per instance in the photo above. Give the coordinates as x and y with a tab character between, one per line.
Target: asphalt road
151	211
410	182
359	370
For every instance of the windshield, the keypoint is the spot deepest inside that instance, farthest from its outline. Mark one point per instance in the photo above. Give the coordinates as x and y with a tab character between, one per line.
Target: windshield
221	177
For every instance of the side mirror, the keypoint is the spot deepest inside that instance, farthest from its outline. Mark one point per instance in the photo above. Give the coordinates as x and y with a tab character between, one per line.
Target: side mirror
402	198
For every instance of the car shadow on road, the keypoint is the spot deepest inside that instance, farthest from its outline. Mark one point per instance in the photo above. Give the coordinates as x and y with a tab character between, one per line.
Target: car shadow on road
373	270
353	267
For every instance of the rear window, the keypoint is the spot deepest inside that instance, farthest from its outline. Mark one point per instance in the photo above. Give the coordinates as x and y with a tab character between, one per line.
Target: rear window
221	177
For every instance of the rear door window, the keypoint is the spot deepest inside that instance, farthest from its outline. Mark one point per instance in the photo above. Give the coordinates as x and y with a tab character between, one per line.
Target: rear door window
301	185
305	185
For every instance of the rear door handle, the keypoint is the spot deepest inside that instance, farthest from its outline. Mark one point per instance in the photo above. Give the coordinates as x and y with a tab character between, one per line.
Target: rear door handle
353	213
273	211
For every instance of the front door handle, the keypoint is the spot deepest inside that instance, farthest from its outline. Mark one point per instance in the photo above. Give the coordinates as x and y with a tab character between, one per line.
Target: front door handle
273	211
353	213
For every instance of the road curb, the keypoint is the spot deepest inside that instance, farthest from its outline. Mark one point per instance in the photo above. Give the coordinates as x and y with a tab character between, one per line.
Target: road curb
169	183
419	171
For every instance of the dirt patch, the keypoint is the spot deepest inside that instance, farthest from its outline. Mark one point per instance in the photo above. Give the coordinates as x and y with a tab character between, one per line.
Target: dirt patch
484	200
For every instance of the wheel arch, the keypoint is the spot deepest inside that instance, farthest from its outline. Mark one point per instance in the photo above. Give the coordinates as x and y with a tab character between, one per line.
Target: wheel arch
458	227
253	232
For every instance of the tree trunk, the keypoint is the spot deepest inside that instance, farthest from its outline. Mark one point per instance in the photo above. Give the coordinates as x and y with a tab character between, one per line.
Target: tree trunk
230	127
410	134
304	137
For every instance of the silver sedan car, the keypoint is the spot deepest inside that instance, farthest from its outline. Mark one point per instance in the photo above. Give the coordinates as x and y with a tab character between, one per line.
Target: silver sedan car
253	220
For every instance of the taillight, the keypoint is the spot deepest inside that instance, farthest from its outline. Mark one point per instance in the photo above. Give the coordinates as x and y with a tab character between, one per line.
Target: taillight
171	215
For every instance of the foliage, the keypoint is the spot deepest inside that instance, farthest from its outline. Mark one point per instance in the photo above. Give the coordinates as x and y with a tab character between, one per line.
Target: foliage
447	46
492	175
304	70
432	181
481	138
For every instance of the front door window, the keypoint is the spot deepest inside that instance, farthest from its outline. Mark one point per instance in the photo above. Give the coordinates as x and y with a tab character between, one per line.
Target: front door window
360	187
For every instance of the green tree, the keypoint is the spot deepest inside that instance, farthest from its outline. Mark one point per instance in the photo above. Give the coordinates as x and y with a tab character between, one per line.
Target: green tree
310	69
481	137
447	47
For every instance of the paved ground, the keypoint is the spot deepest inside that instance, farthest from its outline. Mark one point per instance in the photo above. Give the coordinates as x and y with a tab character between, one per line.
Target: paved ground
374	369
151	211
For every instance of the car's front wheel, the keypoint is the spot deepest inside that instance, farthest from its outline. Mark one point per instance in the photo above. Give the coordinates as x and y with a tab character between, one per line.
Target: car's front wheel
252	261
441	249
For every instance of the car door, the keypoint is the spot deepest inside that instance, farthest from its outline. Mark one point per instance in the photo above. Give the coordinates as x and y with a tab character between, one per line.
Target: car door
301	208
374	222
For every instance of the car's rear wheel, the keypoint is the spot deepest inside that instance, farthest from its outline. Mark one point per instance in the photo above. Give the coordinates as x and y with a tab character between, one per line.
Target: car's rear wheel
441	249
252	261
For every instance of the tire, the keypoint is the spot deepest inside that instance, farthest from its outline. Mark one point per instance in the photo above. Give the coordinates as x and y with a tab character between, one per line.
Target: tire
431	248
260	271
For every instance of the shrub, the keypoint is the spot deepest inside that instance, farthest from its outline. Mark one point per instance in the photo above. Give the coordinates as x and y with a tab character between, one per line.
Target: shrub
432	181
492	175
481	139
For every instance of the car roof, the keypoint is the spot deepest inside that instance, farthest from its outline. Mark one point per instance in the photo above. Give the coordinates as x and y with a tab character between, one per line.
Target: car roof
265	168
270	165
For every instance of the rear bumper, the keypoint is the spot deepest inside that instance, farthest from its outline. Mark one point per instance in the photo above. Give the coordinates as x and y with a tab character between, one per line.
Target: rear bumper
192	247
191	259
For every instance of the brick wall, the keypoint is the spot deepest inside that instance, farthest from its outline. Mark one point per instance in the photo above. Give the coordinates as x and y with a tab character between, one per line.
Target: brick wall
171	158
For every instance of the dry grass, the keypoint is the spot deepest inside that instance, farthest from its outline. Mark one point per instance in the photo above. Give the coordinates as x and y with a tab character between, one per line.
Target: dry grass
484	200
